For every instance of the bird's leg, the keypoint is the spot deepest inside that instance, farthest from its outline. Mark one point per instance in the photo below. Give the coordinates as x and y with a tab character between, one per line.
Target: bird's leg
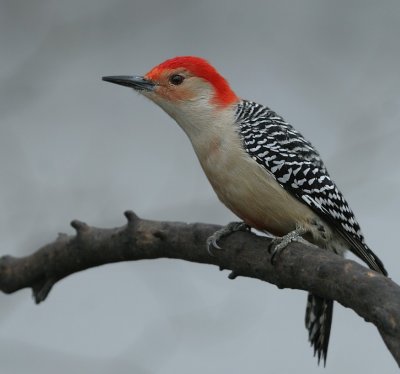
212	241
278	244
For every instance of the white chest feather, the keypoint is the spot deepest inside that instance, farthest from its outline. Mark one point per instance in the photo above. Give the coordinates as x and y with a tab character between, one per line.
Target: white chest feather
247	188
244	186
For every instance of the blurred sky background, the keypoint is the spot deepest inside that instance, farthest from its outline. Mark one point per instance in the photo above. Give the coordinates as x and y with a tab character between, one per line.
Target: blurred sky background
72	146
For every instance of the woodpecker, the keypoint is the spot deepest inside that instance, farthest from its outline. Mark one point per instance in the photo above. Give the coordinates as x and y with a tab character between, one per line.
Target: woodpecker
260	167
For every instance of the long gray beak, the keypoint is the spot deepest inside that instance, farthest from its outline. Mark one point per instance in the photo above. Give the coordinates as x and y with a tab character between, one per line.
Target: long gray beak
136	82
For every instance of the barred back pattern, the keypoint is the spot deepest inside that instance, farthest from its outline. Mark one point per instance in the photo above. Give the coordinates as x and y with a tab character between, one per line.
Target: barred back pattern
298	168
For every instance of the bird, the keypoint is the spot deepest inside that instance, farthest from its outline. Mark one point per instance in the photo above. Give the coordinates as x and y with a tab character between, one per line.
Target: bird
261	168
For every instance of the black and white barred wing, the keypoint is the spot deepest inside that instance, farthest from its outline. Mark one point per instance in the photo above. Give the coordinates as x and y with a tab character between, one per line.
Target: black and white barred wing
297	166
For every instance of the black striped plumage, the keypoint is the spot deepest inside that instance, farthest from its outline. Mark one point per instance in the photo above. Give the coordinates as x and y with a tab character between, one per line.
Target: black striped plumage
298	168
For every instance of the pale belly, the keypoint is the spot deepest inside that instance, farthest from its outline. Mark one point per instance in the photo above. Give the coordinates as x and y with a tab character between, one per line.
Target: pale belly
253	194
250	191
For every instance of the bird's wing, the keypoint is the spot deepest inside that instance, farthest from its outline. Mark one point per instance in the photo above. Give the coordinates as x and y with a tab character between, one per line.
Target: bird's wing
298	168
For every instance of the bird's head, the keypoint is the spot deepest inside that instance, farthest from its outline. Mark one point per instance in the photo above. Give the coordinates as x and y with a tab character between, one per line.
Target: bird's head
185	87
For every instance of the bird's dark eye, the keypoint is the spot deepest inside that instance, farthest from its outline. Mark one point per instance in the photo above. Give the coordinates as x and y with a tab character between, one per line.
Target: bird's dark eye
176	79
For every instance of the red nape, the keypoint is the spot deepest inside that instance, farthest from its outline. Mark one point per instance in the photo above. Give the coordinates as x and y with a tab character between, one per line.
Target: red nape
203	69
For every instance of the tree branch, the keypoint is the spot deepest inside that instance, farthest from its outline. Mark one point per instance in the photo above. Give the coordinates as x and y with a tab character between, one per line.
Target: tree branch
305	267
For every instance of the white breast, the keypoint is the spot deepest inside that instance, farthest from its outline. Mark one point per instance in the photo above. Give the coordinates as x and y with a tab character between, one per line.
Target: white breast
247	188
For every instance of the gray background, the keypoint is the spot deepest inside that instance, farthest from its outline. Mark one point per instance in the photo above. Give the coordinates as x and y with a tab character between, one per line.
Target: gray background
72	146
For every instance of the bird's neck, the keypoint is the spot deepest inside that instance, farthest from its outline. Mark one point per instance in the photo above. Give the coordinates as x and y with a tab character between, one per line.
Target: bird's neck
205	125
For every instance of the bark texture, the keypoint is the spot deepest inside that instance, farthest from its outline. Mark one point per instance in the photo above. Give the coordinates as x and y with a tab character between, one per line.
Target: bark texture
300	266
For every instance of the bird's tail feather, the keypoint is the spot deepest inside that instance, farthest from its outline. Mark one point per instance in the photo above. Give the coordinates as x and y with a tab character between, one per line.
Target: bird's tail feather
318	322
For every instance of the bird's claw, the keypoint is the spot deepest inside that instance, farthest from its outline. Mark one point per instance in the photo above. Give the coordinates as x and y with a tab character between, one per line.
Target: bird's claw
277	245
212	241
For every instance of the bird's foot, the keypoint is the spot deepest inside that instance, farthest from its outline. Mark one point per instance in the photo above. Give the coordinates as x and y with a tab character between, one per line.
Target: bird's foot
212	241
279	244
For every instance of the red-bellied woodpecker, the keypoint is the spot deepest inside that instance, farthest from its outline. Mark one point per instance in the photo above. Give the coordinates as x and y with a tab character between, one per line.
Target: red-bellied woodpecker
260	167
